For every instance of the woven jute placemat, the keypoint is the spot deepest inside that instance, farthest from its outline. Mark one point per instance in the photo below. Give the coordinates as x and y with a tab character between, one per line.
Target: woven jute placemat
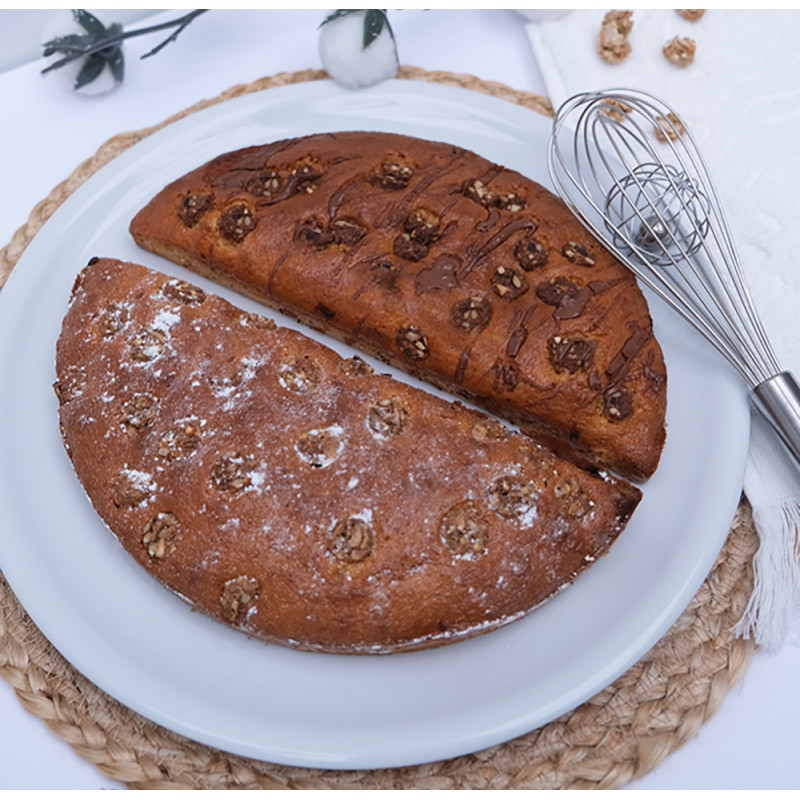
618	736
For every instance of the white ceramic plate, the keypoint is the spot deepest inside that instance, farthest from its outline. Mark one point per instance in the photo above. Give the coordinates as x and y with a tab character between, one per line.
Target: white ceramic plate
146	648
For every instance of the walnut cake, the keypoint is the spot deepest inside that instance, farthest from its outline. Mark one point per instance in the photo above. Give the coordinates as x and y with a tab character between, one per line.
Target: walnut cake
430	257
291	493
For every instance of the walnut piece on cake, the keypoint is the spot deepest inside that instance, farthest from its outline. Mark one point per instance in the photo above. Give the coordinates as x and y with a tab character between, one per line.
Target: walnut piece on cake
612	44
680	51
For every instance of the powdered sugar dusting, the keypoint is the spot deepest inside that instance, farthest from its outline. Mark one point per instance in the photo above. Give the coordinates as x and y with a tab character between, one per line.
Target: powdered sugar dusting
139	479
257	478
165	319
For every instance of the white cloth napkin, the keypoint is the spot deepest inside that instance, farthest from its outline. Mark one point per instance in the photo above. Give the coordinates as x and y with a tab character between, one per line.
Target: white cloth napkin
741	100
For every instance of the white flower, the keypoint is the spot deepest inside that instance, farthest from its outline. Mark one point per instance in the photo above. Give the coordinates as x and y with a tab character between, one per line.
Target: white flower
347	61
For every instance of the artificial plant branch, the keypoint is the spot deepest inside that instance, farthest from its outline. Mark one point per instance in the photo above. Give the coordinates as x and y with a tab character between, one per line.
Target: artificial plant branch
78	46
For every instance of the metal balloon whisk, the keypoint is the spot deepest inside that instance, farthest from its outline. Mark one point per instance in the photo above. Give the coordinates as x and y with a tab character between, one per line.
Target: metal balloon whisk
629	169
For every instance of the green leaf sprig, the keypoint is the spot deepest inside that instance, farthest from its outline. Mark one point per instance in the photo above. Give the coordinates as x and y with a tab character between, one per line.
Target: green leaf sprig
101	45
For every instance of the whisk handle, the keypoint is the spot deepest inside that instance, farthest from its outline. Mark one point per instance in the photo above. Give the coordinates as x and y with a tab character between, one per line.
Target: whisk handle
778	399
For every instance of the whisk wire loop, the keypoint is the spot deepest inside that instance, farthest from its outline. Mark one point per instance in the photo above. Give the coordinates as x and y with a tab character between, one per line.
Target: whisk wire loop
589	210
757	343
634	175
665	225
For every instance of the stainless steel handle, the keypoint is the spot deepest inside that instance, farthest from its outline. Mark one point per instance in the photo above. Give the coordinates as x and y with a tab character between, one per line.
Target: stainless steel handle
778	399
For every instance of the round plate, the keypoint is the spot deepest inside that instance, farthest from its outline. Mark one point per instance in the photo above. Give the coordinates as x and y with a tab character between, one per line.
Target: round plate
146	648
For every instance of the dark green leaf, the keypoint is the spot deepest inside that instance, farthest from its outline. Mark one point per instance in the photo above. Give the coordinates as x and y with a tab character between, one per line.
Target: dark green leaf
113	53
89	22
374	20
66	44
90	70
116	63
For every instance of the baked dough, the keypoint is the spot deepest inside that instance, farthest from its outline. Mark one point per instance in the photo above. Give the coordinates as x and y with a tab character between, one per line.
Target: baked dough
432	258
290	493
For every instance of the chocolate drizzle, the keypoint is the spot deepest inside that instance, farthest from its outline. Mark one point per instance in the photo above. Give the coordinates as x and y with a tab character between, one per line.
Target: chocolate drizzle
304	178
572	306
383	273
597	287
506	232
442	274
519	331
461	368
396	214
245	165
492	215
301	179
621	362
491	173
658	380
568	298
505	376
515	341
338	196
274	270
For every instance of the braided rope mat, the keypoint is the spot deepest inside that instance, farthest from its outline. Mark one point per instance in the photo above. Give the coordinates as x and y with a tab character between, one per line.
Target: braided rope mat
619	735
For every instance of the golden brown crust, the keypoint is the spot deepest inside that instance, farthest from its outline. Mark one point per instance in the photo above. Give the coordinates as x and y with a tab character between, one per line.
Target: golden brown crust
286	491
430	257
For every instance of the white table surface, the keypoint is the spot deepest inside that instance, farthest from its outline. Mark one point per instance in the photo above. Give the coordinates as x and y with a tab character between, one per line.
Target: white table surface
751	743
